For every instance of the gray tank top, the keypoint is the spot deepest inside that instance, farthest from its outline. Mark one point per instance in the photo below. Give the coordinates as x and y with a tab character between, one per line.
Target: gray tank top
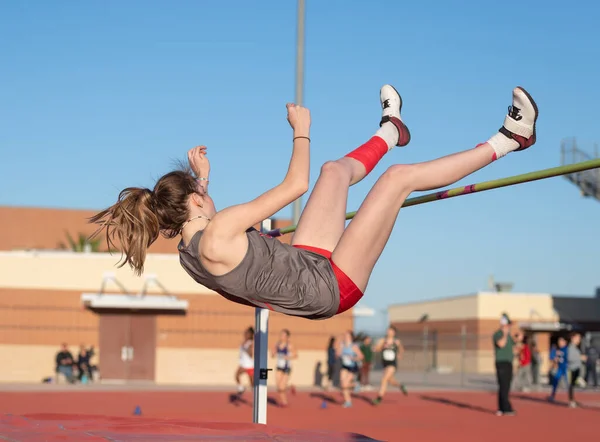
271	275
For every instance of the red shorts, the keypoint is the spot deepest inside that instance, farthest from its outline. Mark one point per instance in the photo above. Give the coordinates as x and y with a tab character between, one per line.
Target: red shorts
350	294
249	371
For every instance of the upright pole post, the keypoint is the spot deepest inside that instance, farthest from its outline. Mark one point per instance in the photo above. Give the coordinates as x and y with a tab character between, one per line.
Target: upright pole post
261	358
261	348
463	353
299	100
425	346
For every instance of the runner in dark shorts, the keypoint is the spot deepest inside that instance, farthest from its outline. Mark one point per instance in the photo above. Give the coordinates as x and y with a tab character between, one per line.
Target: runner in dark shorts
326	268
391	350
283	352
350	354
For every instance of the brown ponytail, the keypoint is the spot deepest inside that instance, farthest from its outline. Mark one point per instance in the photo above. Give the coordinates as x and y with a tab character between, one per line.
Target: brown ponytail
140	215
133	223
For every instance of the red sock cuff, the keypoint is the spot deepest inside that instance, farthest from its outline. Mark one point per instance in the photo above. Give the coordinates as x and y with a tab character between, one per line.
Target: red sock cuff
370	153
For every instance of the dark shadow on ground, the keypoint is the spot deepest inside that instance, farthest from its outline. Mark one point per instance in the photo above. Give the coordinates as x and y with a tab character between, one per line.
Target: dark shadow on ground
237	400
555	403
453	403
325	397
362	397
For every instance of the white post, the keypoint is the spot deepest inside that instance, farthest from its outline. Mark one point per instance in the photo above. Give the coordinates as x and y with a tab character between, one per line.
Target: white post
261	351
261	354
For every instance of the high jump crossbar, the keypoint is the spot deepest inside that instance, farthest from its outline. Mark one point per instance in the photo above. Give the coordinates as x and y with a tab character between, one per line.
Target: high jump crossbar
479	187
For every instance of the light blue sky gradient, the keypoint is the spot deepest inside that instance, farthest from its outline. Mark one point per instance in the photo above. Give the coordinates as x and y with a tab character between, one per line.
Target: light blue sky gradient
98	96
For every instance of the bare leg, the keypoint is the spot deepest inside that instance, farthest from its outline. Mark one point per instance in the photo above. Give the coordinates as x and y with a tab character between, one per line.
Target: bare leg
238	380
324	218
370	229
393	381
388	377
281	380
346	384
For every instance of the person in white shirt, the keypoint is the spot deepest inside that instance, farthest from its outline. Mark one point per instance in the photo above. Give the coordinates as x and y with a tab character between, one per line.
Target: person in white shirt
246	361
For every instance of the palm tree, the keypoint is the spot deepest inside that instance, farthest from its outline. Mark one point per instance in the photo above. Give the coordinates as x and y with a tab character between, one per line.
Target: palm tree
83	243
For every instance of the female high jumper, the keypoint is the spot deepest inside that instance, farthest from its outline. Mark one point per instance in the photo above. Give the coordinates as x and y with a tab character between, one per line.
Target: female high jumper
326	269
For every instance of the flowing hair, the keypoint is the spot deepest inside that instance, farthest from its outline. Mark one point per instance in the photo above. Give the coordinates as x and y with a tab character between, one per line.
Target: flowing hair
140	215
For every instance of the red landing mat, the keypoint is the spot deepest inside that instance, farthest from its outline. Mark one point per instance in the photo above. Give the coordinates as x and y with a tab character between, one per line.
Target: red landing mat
82	428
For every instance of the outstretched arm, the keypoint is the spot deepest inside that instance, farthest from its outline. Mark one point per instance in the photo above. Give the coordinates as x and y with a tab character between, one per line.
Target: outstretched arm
237	219
200	165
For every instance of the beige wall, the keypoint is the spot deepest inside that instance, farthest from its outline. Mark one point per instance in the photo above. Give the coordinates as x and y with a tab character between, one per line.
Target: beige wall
29	363
84	272
460	307
189	366
217	367
533	306
480	306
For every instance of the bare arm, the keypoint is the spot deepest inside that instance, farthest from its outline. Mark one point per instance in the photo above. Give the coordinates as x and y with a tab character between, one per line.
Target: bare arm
237	219
359	354
200	165
400	348
379	345
501	343
338	349
293	352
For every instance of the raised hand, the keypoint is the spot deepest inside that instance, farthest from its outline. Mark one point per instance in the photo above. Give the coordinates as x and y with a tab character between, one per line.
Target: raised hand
299	119
199	162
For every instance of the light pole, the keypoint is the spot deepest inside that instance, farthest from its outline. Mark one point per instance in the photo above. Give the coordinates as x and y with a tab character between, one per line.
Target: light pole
297	205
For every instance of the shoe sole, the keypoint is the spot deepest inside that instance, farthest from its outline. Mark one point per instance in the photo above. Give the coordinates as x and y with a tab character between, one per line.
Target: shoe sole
404	126
535	109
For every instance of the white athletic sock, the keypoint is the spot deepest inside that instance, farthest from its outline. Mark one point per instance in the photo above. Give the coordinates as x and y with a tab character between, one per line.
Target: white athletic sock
502	144
388	133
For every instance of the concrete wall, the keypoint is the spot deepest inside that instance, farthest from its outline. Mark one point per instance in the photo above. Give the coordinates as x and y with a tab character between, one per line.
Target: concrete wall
460	307
28	363
84	272
174	366
480	306
526	306
218	366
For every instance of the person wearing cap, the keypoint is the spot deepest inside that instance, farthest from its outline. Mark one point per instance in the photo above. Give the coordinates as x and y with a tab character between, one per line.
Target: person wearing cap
504	354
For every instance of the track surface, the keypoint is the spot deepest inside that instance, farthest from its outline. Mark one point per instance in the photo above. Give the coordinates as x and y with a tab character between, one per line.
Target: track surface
202	415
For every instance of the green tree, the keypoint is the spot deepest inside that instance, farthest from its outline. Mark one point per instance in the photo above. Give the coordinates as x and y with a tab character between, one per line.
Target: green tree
83	244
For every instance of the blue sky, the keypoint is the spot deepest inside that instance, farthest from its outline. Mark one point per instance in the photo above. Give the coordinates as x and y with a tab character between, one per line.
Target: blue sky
98	96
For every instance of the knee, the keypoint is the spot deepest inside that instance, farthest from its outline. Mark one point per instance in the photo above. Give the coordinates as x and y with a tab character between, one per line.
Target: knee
336	169
400	177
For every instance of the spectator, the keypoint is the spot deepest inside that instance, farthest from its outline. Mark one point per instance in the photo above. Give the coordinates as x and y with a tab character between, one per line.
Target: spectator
591	354
574	359
331	363
552	364
503	346
560	366
84	365
64	364
535	364
523	381
366	347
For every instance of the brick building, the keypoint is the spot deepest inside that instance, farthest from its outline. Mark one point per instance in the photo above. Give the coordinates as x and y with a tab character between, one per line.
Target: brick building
455	333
